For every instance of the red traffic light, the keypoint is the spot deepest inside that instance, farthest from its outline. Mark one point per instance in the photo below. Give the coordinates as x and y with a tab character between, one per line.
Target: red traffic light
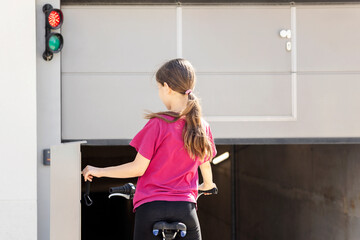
53	41
54	18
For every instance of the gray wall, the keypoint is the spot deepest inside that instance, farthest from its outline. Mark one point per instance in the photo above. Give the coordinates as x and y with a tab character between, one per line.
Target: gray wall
48	117
298	192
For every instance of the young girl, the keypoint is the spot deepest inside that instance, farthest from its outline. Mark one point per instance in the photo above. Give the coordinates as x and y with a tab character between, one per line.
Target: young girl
170	148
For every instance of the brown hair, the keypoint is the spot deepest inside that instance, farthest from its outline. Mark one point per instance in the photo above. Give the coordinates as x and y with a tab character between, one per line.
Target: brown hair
179	74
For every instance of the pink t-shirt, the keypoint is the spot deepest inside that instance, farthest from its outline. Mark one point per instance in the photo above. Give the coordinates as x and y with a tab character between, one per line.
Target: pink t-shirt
171	175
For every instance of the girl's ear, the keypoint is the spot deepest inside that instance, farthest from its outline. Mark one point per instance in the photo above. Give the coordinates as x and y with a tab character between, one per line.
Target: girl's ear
167	88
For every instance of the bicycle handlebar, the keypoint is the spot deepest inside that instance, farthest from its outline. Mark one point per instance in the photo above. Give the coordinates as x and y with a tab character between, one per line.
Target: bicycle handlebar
128	191
128	188
211	191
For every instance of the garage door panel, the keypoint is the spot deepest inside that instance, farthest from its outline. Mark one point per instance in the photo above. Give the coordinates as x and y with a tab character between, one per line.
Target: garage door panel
106	106
111	106
245	95
328	38
327	107
128	39
236	38
329	104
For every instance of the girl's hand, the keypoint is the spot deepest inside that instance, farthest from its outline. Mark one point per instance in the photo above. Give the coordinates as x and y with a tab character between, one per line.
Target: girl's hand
205	187
89	172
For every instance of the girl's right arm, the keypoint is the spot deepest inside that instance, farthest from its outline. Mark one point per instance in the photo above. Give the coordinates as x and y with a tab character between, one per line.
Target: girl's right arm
206	173
132	169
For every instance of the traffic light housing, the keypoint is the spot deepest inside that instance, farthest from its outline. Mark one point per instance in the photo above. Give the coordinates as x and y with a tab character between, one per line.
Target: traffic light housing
53	41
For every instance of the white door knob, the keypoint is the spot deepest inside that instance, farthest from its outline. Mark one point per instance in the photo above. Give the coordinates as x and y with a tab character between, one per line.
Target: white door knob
285	33
288	46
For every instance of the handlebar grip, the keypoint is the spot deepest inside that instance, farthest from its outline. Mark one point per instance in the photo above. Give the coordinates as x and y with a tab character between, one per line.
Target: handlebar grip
211	191
128	188
87	198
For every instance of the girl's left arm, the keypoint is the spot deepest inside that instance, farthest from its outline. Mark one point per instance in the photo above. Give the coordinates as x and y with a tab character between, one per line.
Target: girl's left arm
132	169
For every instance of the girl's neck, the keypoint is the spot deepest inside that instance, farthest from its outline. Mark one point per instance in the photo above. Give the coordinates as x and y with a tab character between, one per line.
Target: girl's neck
179	103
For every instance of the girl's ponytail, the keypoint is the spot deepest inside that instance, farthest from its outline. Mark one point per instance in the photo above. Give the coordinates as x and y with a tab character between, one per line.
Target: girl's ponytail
180	76
196	140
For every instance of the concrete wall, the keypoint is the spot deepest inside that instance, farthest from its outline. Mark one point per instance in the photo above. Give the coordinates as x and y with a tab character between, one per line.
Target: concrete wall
18	195
298	192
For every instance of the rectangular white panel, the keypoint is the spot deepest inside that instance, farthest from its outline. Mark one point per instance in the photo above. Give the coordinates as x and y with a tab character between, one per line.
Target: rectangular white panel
329	104
328	38
236	38
111	106
327	107
117	38
106	106
65	191
245	95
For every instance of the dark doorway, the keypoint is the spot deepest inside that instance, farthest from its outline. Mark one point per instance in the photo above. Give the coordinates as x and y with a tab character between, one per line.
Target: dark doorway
106	218
298	191
114	218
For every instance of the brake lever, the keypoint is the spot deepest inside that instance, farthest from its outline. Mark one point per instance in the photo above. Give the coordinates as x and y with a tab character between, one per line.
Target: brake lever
212	191
127	196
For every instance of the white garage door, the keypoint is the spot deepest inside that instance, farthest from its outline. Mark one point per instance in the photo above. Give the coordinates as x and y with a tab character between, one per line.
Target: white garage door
248	80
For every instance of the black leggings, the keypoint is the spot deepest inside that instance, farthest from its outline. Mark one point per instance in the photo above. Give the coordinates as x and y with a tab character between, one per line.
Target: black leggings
149	213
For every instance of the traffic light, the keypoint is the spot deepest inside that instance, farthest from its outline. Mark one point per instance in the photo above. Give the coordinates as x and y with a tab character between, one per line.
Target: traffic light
53	41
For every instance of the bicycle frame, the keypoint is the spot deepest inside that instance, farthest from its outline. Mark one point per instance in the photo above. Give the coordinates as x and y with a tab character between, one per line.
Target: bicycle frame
168	230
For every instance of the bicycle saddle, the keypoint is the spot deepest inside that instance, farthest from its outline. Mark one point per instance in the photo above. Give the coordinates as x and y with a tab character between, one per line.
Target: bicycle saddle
169	230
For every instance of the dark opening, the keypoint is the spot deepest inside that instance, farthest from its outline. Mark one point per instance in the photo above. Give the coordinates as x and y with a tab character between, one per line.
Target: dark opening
113	218
270	191
298	191
106	218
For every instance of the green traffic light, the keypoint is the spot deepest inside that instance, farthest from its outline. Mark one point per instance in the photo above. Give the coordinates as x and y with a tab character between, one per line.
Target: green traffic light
54	42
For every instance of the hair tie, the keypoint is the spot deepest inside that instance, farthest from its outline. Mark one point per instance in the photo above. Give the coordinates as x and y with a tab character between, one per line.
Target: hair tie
188	91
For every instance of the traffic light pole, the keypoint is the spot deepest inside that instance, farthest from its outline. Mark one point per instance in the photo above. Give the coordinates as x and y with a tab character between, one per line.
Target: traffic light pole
47	55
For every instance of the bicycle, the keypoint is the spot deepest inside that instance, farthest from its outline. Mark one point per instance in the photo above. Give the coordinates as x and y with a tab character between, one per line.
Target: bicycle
169	230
